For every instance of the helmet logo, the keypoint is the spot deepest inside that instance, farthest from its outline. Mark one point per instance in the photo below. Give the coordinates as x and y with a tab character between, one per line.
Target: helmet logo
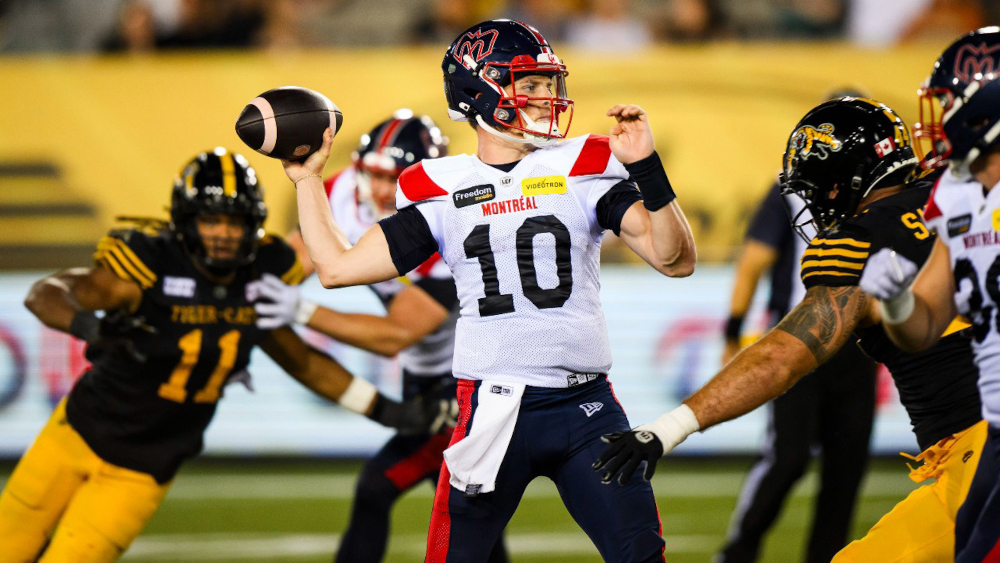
477	45
971	61
807	141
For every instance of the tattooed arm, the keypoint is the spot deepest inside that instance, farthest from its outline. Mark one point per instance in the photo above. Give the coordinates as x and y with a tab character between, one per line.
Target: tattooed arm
808	336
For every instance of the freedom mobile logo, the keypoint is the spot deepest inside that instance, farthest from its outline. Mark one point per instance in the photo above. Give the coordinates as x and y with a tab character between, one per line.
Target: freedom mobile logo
544	185
474	195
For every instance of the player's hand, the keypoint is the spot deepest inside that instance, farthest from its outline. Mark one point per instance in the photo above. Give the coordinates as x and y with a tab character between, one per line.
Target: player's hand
631	138
315	164
625	452
887	275
277	304
648	443
426	413
116	333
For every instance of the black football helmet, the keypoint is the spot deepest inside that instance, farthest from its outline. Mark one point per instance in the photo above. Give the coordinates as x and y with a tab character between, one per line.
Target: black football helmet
840	151
393	145
960	101
218	182
494	54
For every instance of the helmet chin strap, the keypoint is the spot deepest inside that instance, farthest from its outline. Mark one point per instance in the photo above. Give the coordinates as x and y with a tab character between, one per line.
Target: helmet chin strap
528	139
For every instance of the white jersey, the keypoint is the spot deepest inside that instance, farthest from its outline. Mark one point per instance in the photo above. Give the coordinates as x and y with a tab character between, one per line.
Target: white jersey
524	247
968	222
433	354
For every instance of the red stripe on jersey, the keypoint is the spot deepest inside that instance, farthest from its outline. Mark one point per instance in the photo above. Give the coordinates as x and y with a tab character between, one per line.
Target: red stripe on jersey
931	210
328	184
439	535
425	268
415	467
994	555
417	185
593	158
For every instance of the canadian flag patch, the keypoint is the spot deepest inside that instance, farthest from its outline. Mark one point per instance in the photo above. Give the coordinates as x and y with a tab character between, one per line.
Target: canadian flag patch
885	146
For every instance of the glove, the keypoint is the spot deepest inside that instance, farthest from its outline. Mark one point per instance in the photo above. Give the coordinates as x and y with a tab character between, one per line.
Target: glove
887	276
421	414
648	443
279	304
115	332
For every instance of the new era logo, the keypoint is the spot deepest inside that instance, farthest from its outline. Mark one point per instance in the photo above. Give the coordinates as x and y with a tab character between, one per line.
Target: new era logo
502	390
591	408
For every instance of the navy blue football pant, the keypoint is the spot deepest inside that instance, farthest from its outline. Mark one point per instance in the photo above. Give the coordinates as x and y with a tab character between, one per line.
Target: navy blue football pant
557	435
977	525
403	462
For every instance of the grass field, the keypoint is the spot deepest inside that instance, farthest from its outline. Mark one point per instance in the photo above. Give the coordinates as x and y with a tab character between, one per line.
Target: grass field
228	512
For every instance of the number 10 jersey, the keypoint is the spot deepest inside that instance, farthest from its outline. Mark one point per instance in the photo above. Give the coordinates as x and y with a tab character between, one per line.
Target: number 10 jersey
524	248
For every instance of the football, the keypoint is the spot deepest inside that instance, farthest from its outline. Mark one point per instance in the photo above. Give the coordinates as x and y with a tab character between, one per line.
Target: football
287	122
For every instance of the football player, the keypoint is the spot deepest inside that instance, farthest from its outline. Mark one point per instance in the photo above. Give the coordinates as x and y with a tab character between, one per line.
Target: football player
179	324
848	159
419	325
520	225
960	116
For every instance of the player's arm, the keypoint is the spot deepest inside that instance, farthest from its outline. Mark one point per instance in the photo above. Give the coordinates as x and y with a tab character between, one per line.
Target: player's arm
336	262
326	377
66	300
914	316
656	229
808	336
755	259
294	240
412	314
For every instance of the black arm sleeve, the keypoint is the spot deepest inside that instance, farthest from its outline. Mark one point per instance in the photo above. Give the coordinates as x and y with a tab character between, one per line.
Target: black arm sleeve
770	224
442	290
410	239
613	205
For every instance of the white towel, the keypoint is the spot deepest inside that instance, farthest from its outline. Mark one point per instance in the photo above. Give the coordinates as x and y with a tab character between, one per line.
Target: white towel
475	460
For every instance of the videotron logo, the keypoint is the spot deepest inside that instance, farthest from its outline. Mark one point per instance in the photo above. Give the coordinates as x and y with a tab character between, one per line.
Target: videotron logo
544	185
474	195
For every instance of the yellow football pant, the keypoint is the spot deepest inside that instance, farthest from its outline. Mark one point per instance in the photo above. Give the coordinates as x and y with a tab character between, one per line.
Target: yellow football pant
921	528
99	507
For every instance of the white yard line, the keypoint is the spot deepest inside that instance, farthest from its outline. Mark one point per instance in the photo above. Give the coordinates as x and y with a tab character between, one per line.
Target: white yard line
341	487
207	547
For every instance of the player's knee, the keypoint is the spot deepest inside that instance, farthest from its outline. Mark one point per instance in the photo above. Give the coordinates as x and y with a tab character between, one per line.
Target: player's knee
375	489
24	535
80	545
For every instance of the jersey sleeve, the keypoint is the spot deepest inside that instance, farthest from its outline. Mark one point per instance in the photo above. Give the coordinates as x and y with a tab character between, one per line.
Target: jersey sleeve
837	260
410	240
275	257
131	254
614	203
595	173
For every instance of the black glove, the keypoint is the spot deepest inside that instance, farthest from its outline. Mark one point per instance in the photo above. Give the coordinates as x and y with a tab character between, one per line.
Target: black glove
422	414
115	332
626	451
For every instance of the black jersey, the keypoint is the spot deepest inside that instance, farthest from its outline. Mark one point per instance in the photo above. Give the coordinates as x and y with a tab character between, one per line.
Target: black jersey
151	416
938	386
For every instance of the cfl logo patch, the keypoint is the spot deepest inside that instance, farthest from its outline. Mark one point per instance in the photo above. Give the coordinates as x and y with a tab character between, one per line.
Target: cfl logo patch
501	390
590	408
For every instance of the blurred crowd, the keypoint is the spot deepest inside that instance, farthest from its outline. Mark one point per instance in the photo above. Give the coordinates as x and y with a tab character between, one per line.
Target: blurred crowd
608	25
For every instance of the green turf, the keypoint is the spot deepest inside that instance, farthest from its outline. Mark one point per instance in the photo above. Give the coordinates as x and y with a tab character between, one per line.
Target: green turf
293	512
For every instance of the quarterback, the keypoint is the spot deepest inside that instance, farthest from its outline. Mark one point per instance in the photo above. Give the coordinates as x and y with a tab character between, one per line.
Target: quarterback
960	115
419	324
520	225
179	325
849	160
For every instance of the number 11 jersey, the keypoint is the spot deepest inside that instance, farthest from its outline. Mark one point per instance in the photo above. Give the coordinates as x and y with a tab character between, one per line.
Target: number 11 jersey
523	242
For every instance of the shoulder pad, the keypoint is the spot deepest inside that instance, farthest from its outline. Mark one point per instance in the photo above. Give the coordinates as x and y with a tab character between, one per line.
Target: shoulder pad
275	257
132	254
429	179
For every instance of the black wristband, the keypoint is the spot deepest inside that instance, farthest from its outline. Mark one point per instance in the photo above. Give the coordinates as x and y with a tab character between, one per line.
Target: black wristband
654	186
733	327
85	326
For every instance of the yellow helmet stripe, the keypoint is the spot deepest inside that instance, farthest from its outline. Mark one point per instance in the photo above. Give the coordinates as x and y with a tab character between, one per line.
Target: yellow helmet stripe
228	174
